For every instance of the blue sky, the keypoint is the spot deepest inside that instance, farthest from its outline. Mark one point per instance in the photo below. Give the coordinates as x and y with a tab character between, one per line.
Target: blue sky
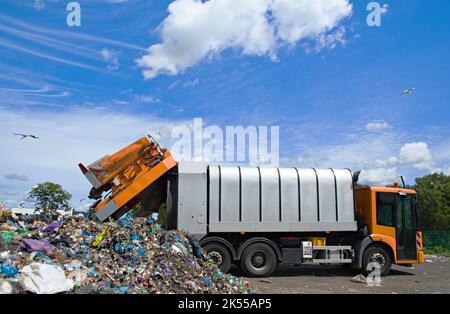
332	84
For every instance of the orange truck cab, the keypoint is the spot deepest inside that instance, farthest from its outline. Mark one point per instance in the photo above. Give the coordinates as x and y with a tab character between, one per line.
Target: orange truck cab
391	218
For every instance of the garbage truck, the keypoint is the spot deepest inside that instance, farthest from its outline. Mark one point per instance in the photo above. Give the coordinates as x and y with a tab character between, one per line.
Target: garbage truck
259	217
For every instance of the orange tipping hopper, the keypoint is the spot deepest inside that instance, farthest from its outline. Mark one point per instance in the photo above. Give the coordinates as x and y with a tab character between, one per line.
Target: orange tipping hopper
126	174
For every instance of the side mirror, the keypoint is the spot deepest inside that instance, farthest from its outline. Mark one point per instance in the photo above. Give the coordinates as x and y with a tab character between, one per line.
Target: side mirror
355	176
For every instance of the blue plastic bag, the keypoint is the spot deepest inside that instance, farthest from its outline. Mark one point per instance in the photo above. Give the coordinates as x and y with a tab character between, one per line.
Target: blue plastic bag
9	271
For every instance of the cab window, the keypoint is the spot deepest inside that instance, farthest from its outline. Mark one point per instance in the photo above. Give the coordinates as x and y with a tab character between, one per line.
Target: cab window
385	209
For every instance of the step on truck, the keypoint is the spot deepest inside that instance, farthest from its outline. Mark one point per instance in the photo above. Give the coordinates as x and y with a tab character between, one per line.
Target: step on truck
259	217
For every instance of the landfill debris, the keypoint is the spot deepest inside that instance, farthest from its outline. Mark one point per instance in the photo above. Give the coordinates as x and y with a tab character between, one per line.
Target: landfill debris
6	287
436	258
133	255
266	280
38	245
359	279
44	279
8	271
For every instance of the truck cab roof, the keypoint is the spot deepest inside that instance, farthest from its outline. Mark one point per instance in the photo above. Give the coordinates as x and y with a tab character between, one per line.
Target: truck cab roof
387	189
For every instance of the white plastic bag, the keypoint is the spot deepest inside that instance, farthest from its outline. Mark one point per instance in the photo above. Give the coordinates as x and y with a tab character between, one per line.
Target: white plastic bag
6	287
44	279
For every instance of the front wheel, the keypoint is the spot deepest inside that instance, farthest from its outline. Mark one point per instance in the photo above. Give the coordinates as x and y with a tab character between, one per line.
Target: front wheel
258	260
375	257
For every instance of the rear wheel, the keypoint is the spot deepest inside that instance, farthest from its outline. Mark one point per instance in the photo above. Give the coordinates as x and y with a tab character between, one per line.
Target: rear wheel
219	254
258	260
374	257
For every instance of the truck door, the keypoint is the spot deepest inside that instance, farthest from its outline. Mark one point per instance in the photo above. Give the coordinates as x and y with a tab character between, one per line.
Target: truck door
406	226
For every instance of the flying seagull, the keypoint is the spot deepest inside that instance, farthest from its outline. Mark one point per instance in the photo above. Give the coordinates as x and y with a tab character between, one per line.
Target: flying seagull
408	91
26	135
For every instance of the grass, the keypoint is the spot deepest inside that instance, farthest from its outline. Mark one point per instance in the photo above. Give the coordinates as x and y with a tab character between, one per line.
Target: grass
437	250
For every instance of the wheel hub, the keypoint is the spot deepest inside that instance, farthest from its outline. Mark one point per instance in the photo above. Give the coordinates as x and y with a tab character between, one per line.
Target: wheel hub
216	257
258	260
379	259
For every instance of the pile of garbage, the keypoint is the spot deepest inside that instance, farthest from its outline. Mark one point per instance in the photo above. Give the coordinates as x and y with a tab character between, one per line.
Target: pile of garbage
134	255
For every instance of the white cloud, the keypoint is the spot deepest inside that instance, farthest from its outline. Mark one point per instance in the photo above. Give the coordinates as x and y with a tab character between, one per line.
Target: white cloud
145	99
65	35
196	30
377	126
358	155
15	176
447	171
121	102
378	176
191	83
110	56
355	152
132	96
416	154
380	157
327	40
39	5
43	55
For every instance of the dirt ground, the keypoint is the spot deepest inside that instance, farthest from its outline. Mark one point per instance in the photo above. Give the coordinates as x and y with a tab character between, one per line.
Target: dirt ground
431	277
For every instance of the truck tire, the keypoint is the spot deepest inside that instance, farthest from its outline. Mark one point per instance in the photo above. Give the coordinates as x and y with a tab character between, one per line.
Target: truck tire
377	254
258	260
219	254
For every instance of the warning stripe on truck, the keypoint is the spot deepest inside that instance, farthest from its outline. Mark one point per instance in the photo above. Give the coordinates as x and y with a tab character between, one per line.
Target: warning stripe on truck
418	241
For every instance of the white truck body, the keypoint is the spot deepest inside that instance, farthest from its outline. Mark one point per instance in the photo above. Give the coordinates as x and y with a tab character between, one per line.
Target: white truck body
206	199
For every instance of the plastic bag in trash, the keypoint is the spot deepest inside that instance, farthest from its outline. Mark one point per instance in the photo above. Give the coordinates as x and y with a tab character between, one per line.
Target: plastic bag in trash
52	227
7	237
9	271
44	279
99	238
7	287
38	245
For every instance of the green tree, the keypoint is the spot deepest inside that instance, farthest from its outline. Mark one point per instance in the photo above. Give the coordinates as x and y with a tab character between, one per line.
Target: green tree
433	192
50	197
